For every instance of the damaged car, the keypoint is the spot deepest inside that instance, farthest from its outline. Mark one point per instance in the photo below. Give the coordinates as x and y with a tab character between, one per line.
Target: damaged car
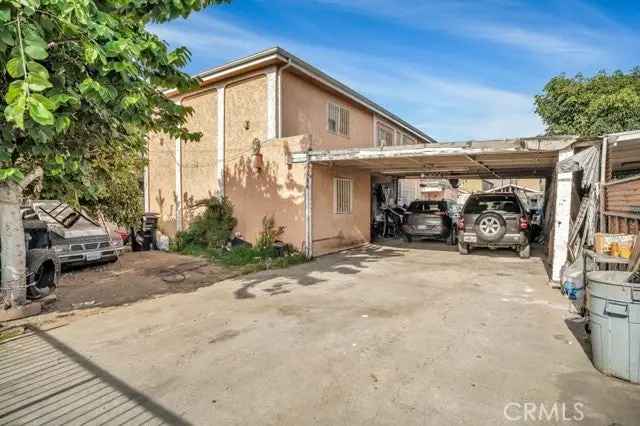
75	237
42	262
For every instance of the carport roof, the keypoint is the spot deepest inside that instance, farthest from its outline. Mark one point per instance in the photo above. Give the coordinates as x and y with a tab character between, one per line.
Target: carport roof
521	157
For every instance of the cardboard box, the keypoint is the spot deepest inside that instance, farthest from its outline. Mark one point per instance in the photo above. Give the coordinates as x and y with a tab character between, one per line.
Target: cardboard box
619	245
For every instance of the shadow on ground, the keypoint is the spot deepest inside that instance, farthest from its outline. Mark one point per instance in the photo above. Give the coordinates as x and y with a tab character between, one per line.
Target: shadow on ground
348	263
435	245
577	327
43	381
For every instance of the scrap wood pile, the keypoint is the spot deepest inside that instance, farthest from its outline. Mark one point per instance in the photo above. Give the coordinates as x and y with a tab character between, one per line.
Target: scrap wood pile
583	229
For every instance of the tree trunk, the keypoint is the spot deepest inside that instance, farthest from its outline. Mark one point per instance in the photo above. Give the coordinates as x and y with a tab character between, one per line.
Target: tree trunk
13	249
13	278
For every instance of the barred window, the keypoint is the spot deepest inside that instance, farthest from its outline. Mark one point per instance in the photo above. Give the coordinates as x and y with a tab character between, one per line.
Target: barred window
342	195
338	119
385	135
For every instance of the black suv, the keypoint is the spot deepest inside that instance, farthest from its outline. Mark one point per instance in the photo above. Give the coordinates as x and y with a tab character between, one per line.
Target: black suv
497	219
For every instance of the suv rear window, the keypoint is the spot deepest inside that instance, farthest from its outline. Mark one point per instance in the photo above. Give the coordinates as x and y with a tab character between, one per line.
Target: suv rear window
483	203
428	207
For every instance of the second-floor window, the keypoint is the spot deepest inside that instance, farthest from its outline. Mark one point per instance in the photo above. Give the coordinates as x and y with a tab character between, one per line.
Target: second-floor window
407	140
338	119
385	135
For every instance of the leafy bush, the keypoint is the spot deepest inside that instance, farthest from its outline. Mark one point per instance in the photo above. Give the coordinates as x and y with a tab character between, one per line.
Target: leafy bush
270	233
211	229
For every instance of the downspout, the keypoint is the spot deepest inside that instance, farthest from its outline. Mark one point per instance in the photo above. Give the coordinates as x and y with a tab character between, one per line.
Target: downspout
279	112
308	208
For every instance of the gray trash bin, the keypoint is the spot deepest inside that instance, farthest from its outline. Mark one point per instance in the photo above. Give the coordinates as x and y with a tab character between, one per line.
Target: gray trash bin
614	306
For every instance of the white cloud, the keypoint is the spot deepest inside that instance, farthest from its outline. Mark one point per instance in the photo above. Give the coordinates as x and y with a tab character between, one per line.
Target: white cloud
499	22
445	108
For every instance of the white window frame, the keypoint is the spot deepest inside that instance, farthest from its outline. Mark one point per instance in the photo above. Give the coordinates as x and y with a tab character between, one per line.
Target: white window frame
342	195
384	127
342	119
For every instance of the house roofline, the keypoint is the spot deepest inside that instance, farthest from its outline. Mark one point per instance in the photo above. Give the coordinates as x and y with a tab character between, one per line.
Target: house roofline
278	54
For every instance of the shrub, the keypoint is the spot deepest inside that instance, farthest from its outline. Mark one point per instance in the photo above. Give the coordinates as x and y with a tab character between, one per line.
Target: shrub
270	233
211	229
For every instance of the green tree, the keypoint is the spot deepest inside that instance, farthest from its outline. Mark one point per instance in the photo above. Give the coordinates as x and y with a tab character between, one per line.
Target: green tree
604	103
79	84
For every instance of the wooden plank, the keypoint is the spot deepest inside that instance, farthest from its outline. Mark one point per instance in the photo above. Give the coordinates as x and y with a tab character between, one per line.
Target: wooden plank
614	214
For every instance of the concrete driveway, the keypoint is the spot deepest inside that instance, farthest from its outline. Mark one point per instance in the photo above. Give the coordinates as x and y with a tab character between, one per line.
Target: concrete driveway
383	335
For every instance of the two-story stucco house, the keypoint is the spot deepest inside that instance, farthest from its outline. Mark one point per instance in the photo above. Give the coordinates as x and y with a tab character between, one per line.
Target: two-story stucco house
253	113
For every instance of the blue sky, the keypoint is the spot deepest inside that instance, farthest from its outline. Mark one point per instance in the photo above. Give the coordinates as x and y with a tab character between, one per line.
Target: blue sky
456	69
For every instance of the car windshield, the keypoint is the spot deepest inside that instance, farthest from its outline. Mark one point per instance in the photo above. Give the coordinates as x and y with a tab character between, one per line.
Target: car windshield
502	203
428	207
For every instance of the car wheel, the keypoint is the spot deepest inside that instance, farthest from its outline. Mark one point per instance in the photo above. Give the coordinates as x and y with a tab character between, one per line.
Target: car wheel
490	226
44	280
408	238
524	251
463	248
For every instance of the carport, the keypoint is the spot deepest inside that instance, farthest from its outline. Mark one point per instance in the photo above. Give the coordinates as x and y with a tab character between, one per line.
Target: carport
534	157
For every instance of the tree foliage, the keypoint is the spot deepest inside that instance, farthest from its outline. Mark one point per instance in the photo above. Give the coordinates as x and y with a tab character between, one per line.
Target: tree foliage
80	89
604	103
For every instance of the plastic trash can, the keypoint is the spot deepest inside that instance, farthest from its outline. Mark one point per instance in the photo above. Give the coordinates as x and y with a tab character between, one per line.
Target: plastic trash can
614	306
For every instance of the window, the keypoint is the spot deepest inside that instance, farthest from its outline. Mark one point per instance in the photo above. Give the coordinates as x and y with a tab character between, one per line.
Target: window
385	135
338	120
428	207
342	195
407	140
483	203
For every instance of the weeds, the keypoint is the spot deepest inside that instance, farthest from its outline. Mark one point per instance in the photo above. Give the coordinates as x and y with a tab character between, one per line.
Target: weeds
210	232
210	229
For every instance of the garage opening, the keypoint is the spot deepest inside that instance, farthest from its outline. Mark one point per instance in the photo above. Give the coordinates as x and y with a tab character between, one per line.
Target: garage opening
517	177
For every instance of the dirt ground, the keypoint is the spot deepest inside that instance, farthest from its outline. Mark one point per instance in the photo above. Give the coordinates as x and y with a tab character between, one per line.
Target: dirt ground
135	276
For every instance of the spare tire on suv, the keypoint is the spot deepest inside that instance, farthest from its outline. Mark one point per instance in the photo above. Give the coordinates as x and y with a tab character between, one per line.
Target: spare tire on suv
494	220
490	226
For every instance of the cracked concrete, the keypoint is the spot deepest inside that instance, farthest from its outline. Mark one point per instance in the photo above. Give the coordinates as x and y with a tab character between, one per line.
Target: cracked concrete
406	334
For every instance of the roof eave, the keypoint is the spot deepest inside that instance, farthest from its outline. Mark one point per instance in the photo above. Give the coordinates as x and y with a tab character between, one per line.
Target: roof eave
277	54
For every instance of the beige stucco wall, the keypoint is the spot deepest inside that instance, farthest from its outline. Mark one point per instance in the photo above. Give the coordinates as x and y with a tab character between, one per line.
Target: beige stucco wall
278	188
275	190
162	181
333	231
304	111
199	168
250	192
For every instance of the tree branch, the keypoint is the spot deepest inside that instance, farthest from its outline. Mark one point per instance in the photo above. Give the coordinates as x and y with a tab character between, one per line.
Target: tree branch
36	174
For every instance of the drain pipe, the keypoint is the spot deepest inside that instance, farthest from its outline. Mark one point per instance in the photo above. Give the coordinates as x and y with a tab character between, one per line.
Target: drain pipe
280	96
308	208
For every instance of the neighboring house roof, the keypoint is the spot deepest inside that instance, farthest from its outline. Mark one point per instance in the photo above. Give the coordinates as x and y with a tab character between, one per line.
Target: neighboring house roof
511	186
279	55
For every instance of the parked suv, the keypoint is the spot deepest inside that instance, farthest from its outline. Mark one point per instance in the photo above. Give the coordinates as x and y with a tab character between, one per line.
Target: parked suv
430	219
494	220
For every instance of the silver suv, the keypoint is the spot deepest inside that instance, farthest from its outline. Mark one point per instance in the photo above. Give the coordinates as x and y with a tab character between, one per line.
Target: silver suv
494	220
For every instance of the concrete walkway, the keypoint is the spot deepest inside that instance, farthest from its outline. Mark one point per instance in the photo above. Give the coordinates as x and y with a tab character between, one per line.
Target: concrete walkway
385	335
